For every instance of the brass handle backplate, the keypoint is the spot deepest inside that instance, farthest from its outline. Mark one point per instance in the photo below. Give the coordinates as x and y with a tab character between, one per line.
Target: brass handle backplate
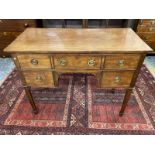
150	28
63	62
34	61
117	79
91	62
39	78
121	63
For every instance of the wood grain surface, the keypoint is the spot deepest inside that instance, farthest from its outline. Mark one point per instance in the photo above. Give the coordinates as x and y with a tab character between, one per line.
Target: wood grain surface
56	40
26	61
129	61
39	78
77	62
117	79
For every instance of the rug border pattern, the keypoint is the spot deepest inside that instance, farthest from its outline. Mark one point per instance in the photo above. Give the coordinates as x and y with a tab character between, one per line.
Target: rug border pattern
117	126
37	123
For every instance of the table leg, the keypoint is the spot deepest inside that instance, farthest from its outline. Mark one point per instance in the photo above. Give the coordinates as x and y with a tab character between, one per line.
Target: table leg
30	97
113	91
125	101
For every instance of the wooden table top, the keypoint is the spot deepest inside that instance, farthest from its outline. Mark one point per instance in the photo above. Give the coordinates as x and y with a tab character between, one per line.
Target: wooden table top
57	40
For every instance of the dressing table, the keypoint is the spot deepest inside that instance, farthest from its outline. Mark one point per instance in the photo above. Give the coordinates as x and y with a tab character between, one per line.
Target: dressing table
113	55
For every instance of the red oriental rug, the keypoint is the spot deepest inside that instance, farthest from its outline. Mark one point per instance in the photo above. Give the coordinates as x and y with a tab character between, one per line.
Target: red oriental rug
77	107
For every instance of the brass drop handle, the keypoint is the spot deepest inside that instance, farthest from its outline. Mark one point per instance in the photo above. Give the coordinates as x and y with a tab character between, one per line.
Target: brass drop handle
26	24
117	79
63	62
91	62
34	61
39	78
121	63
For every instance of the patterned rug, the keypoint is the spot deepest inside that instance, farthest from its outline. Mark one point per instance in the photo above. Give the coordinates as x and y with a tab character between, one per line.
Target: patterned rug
77	107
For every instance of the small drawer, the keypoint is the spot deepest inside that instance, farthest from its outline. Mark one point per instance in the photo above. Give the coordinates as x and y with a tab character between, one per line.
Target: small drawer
75	62
34	61
16	24
117	79
39	78
127	61
147	36
147	22
143	28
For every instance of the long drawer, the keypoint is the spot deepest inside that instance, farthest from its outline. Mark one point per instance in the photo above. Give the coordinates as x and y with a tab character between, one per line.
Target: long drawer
117	79
76	61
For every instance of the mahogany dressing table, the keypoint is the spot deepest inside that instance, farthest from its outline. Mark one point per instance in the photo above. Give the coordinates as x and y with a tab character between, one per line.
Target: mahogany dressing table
113	55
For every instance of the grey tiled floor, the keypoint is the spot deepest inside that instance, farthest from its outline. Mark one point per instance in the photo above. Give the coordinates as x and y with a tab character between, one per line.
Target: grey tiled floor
6	66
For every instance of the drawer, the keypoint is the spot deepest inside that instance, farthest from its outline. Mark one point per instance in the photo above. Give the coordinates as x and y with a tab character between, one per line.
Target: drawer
75	62
39	78
16	24
6	38
34	61
125	61
147	36
147	22
117	79
143	28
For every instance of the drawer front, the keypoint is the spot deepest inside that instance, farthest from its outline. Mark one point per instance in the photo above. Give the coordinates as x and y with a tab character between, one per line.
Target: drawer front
34	61
117	79
16	25
6	38
75	62
147	22
39	78
147	36
127	61
143	28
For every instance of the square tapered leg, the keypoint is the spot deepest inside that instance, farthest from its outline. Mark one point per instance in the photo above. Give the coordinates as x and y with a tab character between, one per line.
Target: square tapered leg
30	97
125	101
